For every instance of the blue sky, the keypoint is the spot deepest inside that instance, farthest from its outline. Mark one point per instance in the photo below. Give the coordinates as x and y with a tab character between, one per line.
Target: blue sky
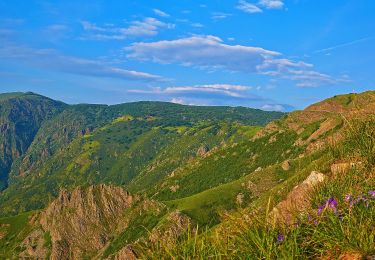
269	54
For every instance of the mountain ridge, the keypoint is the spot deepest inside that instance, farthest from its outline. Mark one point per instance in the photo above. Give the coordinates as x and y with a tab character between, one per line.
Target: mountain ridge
218	173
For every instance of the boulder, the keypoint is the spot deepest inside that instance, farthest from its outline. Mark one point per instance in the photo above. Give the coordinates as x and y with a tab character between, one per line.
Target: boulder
297	201
285	165
203	150
126	253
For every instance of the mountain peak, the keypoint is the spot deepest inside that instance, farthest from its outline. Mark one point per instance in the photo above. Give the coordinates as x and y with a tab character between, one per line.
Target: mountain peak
353	102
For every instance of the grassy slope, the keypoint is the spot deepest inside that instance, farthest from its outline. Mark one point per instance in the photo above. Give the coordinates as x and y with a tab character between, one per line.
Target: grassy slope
88	144
212	183
345	230
15	229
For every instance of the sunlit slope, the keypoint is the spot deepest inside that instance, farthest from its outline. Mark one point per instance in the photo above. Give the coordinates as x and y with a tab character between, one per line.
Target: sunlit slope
88	144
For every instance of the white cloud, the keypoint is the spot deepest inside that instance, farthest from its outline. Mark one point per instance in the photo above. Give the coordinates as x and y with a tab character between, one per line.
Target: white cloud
57	28
272	4
273	107
178	101
160	13
188	101
52	60
219	16
209	52
224	89
248	7
202	51
92	27
192	24
301	72
257	8
209	94
147	27
197	25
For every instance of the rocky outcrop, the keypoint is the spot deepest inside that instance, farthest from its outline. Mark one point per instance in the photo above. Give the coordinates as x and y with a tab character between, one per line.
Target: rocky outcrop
203	150
34	246
285	165
297	201
80	222
175	224
126	253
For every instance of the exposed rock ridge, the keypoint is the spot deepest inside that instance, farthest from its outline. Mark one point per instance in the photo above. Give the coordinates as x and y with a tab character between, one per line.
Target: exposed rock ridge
297	201
80	222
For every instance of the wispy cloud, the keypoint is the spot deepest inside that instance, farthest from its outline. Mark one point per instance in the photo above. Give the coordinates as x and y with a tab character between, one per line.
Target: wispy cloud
191	23
210	94
248	7
179	101
160	13
225	89
147	27
52	60
201	51
272	4
197	25
344	45
252	8
209	52
219	15
273	107
57	28
301	72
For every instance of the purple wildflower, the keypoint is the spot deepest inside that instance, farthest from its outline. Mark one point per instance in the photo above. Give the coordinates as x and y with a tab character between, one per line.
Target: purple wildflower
365	200
332	203
348	198
359	199
372	193
280	237
320	209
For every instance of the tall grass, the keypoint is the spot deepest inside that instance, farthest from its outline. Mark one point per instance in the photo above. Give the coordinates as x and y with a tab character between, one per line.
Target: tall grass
341	219
348	227
358	141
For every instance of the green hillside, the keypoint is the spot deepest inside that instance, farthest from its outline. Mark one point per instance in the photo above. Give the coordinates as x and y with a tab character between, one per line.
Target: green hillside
21	116
88	144
203	182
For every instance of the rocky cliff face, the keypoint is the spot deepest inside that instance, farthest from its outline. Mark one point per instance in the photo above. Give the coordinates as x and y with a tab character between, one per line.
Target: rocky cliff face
80	222
21	116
